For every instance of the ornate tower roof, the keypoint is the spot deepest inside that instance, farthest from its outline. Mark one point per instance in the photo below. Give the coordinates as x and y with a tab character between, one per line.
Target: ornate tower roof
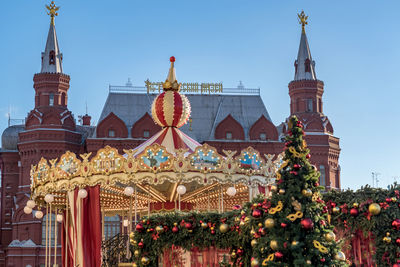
52	57
304	65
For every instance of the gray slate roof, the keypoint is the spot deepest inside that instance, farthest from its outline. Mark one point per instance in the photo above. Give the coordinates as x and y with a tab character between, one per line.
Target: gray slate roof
207	111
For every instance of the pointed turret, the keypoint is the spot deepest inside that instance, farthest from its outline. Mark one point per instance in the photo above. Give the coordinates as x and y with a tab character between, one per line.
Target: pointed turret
52	57
171	83
304	65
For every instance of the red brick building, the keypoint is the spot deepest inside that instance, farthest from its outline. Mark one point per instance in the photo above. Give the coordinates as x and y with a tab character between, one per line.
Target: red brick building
234	119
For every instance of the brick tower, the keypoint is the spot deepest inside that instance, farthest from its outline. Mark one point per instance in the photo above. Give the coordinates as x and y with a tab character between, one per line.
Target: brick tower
306	103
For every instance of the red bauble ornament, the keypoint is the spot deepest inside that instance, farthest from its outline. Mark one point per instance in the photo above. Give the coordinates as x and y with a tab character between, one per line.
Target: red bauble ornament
388	199
256	213
396	265
175	229
307	224
398	241
172	59
322	259
239	252
283	225
188	225
278	254
396	224
140	244
308	156
354	212
139	227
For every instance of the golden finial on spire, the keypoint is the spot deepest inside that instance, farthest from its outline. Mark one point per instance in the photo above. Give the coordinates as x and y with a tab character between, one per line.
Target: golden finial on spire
302	20
52	8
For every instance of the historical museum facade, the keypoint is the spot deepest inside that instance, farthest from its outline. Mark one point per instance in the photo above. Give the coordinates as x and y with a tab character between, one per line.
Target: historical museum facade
229	119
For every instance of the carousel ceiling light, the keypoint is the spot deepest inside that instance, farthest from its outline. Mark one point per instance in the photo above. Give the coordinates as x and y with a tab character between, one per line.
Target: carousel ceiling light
231	191
27	210
39	214
82	193
49	198
181	189
30	203
128	191
59	218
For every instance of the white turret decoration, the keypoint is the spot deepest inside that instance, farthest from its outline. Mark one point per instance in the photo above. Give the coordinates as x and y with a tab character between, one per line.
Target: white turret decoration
304	64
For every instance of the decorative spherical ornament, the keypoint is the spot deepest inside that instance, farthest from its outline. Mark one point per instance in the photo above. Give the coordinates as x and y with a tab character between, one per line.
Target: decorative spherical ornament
336	210
181	189
387	239
39	214
59	218
282	191
134	264
308	262
340	256
396	265
223	228
253	243
278	254
139	227
269	223
188	225
49	198
233	255
170	108
256	213
136	253
246	220
330	236
175	229
274	188
374	209
353	212
231	191
283	225
307	224
398	241
396	224
308	156
306	192
27	210
355	205
295	243
274	244
141	244
254	263
30	203
82	193
145	261
394	199
159	229
240	251
204	225
128	191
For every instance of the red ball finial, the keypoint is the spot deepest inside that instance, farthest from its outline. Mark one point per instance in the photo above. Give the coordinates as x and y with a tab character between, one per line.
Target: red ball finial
172	59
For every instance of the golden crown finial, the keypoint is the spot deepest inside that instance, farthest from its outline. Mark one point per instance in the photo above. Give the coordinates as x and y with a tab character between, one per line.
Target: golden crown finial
302	20
52	11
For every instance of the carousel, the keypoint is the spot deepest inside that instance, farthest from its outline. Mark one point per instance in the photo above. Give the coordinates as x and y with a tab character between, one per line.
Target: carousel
170	172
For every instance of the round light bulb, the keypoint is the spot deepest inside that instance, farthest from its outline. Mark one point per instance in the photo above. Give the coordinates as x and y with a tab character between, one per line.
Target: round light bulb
125	223
181	189
128	191
82	193
30	203
49	198
59	218
231	191
39	214
27	210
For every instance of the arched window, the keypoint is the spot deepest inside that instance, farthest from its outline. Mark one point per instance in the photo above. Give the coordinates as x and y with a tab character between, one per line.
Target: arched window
263	136
111	226
307	65
52	57
63	99
51	99
111	133
53	217
322	177
309	105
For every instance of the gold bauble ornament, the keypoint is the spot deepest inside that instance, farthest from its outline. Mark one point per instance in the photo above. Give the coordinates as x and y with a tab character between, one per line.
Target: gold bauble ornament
237	219
274	244
252	231
374	208
159	229
259	225
233	255
145	261
132	235
387	239
308	262
253	243
136	253
306	192
246	220
295	243
269	223
340	256
336	210
330	236
274	188
282	191
203	225
223	228
254	263
394	199
355	205
134	264
242	212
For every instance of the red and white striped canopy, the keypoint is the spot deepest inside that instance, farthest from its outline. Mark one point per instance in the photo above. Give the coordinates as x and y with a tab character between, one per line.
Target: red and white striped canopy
171	138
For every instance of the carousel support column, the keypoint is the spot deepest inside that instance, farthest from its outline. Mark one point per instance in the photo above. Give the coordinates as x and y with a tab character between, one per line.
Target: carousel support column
47	234
50	228
222	199
148	207
55	239
135	209
208	201
66	231
129	226
102	224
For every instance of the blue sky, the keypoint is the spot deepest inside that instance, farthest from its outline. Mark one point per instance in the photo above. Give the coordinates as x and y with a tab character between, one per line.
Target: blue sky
356	46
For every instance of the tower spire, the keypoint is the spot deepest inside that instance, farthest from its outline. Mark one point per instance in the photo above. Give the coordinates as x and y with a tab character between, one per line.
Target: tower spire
52	57
304	65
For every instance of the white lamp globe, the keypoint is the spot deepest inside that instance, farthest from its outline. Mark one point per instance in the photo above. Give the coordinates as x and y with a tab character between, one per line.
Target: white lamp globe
59	218
30	203
27	210
39	214
128	191
49	198
125	223
82	193
231	191
181	189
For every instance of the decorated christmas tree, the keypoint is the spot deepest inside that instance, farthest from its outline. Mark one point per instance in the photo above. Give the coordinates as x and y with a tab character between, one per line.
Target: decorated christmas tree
293	227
